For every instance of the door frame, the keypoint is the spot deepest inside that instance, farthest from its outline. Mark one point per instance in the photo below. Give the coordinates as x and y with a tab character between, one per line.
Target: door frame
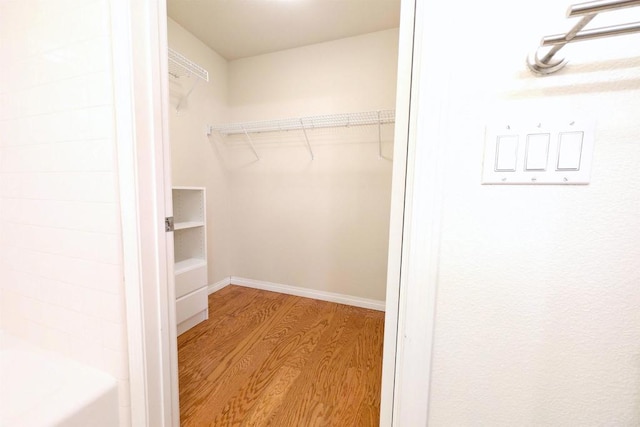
141	99
400	191
422	219
139	45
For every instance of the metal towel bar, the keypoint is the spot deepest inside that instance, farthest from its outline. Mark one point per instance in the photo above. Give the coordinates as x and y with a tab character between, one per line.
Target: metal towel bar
547	64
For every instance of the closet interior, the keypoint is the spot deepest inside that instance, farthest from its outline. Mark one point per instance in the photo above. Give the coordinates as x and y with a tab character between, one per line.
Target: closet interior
294	149
292	146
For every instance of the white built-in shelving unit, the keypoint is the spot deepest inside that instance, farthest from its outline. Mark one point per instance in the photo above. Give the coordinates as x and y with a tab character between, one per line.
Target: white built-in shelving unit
190	252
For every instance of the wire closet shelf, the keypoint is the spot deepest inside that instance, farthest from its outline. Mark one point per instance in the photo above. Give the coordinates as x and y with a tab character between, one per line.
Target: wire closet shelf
181	66
545	63
366	118
309	122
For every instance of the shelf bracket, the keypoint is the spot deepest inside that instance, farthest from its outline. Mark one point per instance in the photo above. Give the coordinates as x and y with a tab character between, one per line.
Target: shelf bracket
184	98
379	136
304	130
180	66
251	143
547	64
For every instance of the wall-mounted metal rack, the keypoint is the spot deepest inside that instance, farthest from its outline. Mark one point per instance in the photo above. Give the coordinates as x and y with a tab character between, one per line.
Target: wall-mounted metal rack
547	64
181	67
379	118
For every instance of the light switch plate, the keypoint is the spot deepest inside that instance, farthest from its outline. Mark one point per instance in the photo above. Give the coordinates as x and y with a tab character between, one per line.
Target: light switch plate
547	152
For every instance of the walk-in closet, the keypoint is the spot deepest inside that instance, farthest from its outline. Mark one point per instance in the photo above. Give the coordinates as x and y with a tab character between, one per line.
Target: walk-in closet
281	127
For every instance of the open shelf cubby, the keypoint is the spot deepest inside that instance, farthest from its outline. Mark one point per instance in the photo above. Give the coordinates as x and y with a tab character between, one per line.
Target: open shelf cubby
190	256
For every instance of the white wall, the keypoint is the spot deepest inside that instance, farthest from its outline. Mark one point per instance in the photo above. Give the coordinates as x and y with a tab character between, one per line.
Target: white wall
320	224
61	259
345	75
195	160
537	319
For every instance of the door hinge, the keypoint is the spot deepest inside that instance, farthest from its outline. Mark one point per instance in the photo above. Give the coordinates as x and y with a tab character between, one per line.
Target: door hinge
168	224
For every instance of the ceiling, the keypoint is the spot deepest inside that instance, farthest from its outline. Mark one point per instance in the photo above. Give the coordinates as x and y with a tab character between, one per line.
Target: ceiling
241	28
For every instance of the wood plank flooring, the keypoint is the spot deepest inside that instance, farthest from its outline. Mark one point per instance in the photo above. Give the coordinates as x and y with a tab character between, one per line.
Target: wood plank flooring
269	359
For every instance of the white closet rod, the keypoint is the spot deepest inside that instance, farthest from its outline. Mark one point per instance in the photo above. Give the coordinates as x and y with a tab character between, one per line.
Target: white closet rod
306	123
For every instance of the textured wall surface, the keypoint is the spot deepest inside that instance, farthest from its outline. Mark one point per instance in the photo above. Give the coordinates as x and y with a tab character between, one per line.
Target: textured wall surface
537	319
60	245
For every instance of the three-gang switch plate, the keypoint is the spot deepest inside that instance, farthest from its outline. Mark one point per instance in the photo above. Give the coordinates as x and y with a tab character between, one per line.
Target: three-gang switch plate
539	153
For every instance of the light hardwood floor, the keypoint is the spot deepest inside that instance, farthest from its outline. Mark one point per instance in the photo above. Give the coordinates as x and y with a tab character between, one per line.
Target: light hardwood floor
268	359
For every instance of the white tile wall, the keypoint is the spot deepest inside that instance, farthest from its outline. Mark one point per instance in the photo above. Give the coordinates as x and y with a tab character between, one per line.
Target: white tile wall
61	283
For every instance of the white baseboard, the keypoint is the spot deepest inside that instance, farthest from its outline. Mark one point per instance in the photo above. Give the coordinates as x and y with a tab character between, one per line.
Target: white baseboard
309	293
215	287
